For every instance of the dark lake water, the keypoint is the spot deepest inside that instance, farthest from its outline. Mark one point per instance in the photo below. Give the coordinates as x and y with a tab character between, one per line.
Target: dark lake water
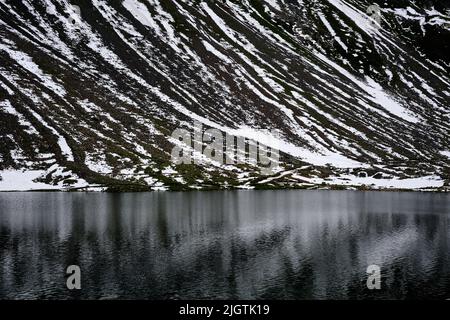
225	245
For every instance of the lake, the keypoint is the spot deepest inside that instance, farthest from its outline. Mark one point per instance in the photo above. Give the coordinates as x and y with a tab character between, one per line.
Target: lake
225	245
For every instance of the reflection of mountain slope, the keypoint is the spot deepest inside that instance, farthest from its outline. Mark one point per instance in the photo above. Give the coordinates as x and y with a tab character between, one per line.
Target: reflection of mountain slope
93	100
197	245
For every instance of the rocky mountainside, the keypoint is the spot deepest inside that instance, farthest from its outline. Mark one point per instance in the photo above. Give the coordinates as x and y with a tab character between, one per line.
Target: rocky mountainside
357	92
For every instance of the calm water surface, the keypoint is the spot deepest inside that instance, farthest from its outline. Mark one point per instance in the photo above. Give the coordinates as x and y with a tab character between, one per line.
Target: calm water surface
225	245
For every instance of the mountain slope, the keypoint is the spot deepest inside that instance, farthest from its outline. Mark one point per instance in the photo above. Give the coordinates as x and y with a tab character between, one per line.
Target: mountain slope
92	98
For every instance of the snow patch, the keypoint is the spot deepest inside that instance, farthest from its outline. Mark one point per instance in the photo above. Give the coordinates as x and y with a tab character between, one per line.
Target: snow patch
26	62
395	183
24	180
446	153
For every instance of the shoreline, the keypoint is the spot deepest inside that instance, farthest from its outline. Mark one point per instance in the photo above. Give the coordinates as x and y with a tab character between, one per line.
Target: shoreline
124	189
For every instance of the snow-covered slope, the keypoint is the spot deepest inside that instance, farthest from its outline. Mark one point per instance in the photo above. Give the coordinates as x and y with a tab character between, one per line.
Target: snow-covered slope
90	98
